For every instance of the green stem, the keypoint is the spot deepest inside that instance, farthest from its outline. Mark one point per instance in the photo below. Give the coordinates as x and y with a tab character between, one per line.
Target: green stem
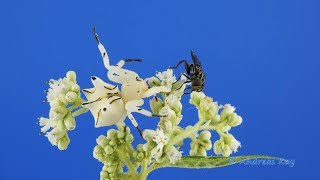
126	160
144	168
208	127
80	111
186	133
155	166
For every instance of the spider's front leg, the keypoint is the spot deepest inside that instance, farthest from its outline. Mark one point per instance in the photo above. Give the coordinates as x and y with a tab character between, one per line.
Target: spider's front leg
102	50
133	106
120	75
155	90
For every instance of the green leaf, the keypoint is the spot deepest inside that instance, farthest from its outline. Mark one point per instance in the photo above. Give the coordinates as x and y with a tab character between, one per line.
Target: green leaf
197	162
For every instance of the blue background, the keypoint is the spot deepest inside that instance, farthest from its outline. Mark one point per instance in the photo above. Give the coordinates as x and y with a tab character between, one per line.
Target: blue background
261	56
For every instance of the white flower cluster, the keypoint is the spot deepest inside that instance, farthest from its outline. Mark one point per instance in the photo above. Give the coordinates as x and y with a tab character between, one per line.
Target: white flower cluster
169	107
208	112
157	144
63	96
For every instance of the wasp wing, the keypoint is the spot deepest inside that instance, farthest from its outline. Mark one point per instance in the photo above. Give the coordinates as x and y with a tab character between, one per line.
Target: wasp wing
195	59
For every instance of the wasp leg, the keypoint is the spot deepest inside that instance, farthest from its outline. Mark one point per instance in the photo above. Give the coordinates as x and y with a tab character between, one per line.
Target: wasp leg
183	84
183	74
175	67
132	60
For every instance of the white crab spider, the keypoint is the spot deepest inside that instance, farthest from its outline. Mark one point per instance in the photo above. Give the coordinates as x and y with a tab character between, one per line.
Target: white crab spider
118	104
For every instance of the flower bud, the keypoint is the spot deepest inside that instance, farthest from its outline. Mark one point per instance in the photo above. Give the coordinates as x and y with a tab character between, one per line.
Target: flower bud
108	149
193	152
169	114
121	135
173	154
57	113
56	103
71	96
61	126
97	150
148	134
227	110
62	98
112	133
140	155
149	146
113	142
71	75
234	120
196	97
129	138
226	152
206	144
174	103
101	140
63	142
75	88
202	152
205	103
70	122
153	81
204	135
156	104
232	142
140	147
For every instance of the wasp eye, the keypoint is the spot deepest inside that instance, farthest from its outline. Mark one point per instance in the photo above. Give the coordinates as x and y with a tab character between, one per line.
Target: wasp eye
104	109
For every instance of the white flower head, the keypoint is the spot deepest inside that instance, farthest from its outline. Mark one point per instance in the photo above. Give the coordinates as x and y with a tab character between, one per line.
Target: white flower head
172	100
55	135
173	154
47	124
57	87
167	77
159	138
233	143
